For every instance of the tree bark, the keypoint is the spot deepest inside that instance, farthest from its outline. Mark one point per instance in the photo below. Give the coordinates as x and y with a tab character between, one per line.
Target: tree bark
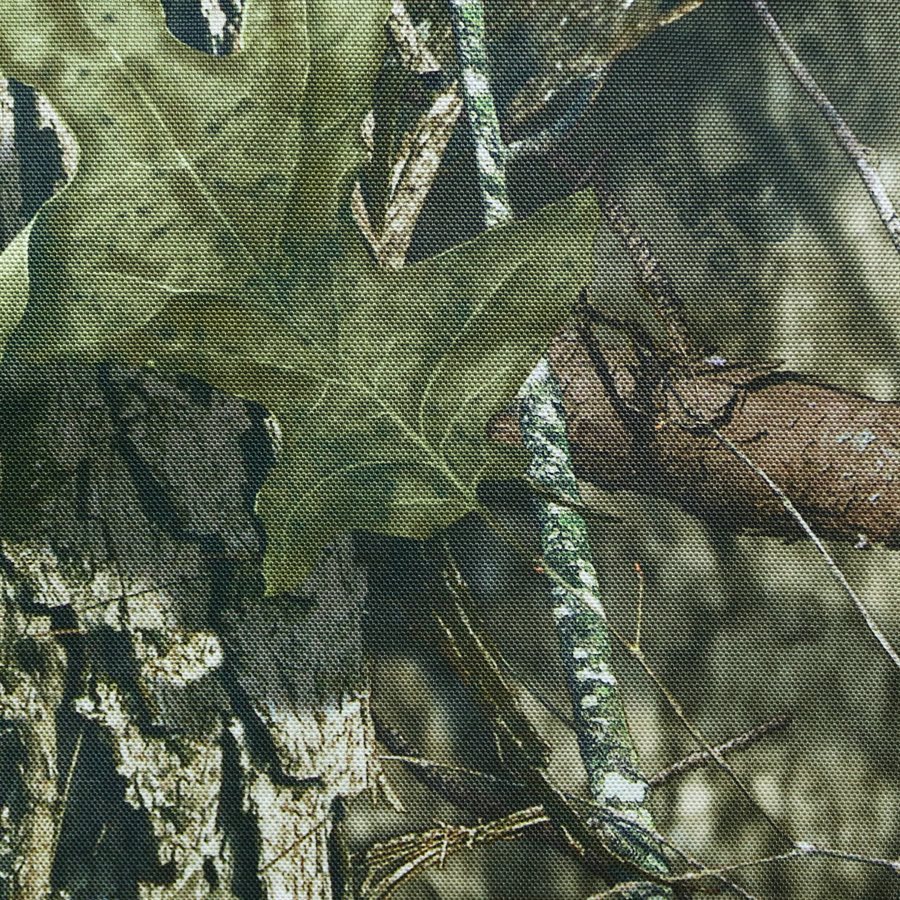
165	731
835	453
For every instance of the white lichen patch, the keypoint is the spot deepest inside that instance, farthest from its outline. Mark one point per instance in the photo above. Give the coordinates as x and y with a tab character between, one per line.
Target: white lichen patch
600	672
275	434
23	703
7	123
619	789
858	440
476	84
189	657
100	595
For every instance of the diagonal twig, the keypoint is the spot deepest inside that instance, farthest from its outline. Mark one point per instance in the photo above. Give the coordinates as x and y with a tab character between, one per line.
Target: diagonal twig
850	144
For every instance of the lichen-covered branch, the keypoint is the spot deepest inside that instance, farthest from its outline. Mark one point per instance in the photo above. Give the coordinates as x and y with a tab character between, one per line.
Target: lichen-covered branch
602	731
467	17
416	108
414	169
600	835
600	724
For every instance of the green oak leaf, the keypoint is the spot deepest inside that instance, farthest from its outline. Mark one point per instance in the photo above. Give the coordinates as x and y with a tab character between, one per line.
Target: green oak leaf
187	165
204	232
383	418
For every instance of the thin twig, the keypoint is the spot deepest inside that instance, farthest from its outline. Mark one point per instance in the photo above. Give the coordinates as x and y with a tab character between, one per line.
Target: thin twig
797	516
800	850
850	144
654	279
703	757
517	823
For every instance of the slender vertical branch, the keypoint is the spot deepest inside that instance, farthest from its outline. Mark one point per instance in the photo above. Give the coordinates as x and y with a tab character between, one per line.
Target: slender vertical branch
606	747
468	31
850	144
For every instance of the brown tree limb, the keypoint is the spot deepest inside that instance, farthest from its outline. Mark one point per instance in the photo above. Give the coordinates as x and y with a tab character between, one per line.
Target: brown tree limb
835	453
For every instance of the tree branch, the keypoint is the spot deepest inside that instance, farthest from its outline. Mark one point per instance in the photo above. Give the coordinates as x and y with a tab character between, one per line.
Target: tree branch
467	17
850	144
835	452
607	750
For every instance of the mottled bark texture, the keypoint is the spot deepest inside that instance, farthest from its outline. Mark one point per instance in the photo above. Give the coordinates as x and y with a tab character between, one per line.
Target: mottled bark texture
234	722
467	19
165	732
835	453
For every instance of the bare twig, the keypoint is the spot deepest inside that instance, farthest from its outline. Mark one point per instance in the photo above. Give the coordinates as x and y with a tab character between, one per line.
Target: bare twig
850	144
654	279
409	853
833	567
799	851
703	757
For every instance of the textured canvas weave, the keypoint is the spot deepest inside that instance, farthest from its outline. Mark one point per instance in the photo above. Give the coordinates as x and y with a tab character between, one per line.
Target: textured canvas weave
449	449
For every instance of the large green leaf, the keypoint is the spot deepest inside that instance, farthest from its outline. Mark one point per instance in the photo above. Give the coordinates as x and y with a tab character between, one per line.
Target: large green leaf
187	161
203	232
383	415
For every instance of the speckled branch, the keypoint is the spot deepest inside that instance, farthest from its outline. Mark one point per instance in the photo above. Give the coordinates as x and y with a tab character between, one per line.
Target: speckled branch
467	17
604	740
601	727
